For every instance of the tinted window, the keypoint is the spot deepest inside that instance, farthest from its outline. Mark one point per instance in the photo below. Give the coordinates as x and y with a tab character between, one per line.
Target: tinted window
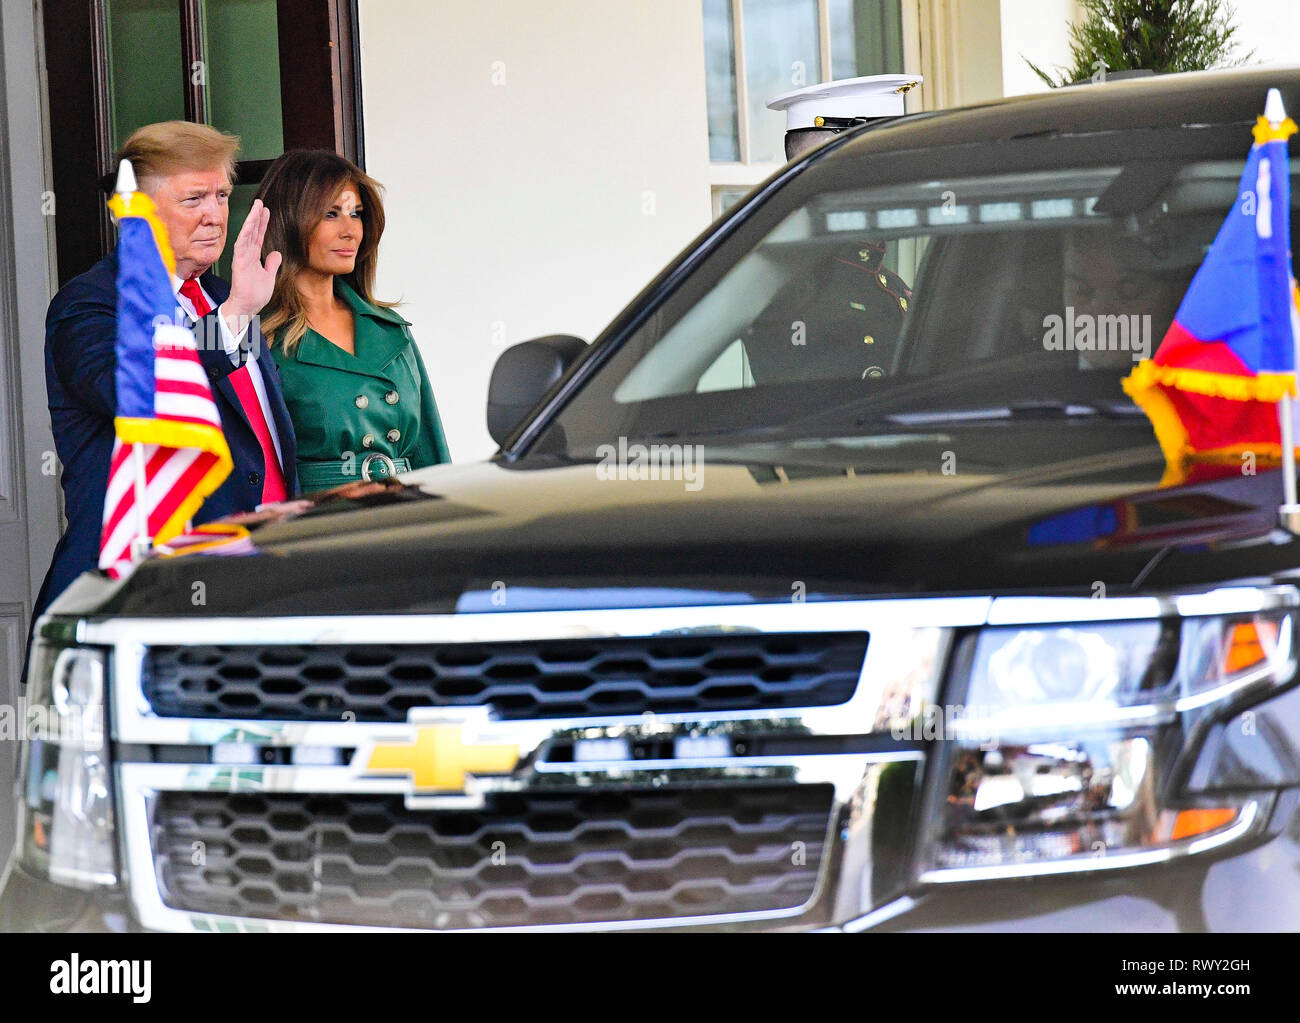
855	309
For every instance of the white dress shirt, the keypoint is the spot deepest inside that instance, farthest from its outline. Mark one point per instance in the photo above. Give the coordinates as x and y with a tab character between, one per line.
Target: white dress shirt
230	342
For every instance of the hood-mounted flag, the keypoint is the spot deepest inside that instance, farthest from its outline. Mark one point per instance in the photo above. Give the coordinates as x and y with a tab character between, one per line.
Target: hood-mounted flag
1221	383
170	452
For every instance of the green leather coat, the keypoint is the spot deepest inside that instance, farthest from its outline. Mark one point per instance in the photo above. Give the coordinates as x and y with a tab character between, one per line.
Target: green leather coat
346	407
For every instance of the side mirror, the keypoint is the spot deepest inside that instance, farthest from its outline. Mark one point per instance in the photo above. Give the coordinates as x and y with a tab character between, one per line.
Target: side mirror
522	376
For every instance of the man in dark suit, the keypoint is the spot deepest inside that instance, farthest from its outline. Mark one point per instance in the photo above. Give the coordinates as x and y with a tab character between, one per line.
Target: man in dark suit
187	170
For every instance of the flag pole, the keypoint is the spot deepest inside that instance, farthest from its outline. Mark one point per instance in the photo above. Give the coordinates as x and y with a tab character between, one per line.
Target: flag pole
1289	512
140	545
143	541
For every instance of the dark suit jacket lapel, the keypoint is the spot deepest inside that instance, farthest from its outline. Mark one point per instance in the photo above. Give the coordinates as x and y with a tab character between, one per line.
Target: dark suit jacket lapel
216	363
216	287
220	291
279	411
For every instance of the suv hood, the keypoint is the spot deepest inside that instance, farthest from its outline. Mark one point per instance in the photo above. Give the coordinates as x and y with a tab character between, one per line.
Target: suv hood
811	524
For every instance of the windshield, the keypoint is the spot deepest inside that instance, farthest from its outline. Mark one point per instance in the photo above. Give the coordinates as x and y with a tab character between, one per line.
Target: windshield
869	314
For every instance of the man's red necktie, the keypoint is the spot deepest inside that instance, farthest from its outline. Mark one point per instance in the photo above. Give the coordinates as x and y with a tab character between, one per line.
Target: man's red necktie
273	486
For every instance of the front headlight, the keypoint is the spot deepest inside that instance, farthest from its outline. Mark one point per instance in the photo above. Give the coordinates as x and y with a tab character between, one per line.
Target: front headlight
1064	751
66	826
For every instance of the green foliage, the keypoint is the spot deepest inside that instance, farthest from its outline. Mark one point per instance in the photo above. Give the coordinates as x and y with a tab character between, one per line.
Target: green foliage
1157	35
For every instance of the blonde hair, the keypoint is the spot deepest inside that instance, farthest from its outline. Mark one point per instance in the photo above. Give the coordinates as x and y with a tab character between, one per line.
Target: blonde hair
298	189
170	147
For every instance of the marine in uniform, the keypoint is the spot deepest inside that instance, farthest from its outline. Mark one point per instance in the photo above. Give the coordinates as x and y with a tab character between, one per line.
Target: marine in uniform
851	306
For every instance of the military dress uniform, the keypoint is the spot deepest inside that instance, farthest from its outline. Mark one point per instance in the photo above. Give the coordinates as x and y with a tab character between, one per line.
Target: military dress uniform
363	416
852	308
873	321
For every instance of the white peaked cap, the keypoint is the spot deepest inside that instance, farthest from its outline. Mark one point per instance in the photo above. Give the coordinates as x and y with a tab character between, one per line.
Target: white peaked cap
125	178
1274	111
872	96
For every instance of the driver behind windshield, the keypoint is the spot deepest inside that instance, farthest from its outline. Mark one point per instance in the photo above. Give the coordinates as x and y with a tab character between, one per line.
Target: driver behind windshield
1118	301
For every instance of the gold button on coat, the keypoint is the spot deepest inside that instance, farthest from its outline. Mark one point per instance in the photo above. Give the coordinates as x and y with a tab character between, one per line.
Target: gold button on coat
368	441
363	401
393	436
391	397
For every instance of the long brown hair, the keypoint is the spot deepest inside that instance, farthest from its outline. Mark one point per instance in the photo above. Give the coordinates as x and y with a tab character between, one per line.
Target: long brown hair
299	189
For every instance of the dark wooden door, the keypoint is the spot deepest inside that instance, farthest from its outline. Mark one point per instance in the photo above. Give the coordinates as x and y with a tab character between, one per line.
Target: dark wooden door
281	74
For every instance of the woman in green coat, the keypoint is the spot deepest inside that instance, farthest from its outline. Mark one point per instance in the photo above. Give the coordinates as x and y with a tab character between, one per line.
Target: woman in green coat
357	390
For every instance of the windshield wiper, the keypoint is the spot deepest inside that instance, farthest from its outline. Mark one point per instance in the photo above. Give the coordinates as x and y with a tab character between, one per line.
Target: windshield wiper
1013	410
722	431
1016	410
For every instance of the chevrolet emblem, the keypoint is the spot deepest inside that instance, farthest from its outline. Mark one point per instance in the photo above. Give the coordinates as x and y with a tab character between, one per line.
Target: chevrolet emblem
439	759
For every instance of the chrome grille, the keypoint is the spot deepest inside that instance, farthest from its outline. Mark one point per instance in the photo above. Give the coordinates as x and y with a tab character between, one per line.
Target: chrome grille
535	858
199	857
551	679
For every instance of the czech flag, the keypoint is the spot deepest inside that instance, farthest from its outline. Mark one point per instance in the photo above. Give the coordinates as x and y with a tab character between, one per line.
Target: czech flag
1212	389
170	452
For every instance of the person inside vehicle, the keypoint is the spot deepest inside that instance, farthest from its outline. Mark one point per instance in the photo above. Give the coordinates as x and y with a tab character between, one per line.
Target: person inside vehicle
1118	301
843	318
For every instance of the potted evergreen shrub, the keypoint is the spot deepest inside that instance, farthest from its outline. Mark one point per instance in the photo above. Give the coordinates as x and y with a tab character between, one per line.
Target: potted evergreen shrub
1125	38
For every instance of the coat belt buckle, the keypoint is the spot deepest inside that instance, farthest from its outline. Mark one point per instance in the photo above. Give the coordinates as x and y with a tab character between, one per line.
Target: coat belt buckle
375	456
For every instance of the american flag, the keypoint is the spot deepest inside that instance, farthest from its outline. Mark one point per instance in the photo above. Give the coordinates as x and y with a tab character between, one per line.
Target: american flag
167	422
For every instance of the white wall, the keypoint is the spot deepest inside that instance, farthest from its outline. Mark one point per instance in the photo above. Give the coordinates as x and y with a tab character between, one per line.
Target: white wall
1270	28
957	47
1034	30
540	202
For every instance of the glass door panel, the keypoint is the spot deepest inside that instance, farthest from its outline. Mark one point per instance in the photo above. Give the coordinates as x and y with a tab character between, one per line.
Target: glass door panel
144	65
242	57
782	52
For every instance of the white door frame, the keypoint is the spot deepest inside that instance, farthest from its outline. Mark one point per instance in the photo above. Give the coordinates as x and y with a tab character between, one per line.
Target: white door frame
29	493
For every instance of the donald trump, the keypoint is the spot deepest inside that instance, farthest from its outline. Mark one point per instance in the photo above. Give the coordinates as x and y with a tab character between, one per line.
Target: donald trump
187	170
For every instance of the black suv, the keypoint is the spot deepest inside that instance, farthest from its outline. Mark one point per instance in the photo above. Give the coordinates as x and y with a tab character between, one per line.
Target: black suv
834	586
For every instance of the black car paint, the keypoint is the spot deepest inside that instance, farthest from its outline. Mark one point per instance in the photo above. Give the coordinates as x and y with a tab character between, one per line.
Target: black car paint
558	536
